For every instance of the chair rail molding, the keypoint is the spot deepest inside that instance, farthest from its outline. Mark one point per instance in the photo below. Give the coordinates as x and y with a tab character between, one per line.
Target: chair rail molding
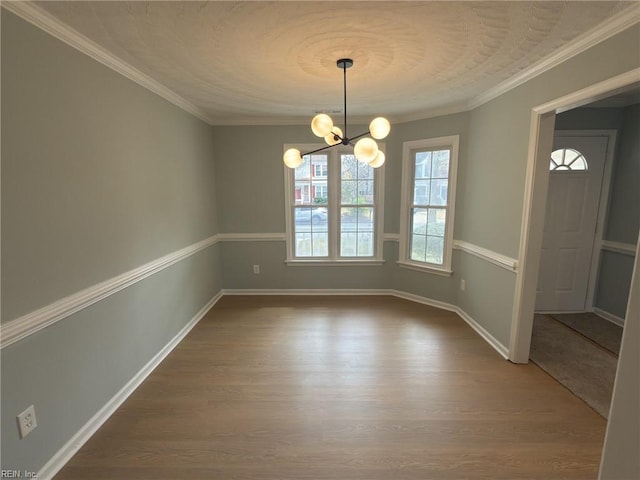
490	256
618	247
35	321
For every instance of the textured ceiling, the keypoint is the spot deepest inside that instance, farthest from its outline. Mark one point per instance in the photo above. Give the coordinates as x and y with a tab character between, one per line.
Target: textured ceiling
258	62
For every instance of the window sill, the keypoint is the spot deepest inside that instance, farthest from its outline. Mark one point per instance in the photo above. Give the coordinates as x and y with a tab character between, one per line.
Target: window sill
334	263
444	272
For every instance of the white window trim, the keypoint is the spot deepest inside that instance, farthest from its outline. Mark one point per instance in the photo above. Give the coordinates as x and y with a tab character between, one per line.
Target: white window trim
333	181
453	142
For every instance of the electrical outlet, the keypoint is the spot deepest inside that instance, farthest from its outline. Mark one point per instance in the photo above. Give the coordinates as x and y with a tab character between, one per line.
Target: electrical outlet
256	269
27	421
463	284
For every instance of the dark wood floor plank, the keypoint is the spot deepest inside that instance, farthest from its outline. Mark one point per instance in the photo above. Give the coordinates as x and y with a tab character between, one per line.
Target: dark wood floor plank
274	387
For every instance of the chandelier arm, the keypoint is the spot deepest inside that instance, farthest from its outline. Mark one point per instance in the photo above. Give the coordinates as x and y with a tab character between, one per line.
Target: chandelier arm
319	150
357	136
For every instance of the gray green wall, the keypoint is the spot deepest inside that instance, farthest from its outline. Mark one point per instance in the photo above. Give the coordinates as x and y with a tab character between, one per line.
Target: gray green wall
492	204
620	460
623	214
623	218
250	189
99	176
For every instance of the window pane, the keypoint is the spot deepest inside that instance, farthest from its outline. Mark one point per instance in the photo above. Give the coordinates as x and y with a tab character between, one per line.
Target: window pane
422	165
436	221
578	164
319	193
348	242
435	250
358	244
440	164
349	192
356	231
303	244
418	248
311	231
421	192
365	244
311	181
357	185
348	167
438	192
320	244
365	192
557	156
365	172
419	221
303	172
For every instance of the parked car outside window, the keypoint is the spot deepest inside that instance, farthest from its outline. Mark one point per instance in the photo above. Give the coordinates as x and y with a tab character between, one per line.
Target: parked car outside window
311	215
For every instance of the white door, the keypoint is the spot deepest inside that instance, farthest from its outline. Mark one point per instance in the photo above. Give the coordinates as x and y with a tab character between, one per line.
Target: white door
575	181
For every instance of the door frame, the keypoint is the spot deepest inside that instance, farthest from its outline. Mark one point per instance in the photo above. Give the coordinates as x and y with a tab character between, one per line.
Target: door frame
603	205
536	185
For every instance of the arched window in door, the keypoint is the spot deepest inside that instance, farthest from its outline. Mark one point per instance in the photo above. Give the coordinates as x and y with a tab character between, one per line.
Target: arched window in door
568	159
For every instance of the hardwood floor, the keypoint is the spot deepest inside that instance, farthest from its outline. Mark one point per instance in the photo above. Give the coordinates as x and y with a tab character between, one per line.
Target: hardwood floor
341	388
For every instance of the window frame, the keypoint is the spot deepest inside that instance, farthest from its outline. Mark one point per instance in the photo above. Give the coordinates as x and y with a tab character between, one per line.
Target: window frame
333	181
409	149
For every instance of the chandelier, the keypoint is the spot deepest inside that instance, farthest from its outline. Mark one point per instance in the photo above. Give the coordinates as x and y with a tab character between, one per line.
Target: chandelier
365	149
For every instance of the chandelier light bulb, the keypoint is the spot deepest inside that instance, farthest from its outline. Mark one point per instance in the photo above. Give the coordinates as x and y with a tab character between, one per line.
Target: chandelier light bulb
365	150
292	158
379	128
331	138
378	161
321	125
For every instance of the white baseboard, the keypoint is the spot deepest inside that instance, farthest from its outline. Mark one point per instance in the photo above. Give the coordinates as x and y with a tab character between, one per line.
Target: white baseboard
480	330
609	316
305	291
55	464
424	300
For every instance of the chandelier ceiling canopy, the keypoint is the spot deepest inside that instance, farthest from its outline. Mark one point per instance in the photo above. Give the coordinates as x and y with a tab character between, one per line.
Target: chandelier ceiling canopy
365	149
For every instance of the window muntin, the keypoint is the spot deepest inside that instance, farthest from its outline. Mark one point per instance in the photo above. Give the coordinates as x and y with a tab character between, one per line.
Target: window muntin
310	214
333	212
429	171
568	159
428	209
357	208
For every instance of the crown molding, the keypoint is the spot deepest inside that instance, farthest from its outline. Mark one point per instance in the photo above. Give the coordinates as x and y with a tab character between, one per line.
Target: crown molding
602	32
355	120
441	111
45	21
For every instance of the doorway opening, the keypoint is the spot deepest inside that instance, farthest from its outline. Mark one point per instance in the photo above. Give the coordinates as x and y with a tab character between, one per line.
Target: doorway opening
569	341
536	189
